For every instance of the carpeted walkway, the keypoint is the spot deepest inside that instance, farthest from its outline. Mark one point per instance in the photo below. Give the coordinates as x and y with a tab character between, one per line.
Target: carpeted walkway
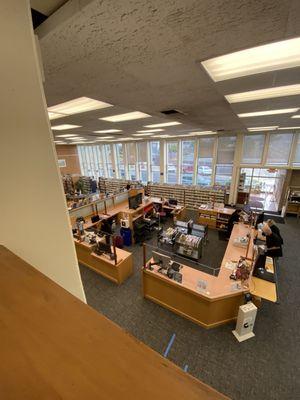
263	368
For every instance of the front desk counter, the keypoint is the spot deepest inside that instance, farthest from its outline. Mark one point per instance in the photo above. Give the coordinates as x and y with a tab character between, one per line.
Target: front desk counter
219	302
114	271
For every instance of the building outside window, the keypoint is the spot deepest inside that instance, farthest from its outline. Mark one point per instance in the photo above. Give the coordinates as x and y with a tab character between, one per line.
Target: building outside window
172	162
253	148
131	160
279	148
225	158
91	162
108	160
143	161
120	160
205	161
188	158
296	161
155	161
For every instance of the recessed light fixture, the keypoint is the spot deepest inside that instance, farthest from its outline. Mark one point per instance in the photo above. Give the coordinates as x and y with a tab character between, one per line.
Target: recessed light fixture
289	127
64	127
268	112
172	123
201	133
126	117
269	93
142	134
269	57
161	136
262	128
108	131
53	115
105	137
79	105
296	116
67	135
150	130
59	142
77	138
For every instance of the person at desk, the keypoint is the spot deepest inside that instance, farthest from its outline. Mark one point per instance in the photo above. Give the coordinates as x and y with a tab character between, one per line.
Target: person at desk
234	218
273	242
274	228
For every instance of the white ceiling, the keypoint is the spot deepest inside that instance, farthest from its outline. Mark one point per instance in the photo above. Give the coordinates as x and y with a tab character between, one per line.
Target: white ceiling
145	56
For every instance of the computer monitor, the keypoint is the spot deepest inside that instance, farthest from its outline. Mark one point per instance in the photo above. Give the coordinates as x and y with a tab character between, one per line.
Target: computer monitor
173	202
104	247
135	201
161	259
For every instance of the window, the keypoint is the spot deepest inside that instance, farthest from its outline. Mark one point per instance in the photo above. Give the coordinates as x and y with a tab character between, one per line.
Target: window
225	157
205	160
279	148
172	162
108	160
187	164
296	161
120	166
91	162
155	162
131	160
253	148
143	161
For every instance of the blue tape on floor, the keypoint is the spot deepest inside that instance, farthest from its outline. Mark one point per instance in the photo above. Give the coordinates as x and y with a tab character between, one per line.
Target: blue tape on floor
169	345
185	368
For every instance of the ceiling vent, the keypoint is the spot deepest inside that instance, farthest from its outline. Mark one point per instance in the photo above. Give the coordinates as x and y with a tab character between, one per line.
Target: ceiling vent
170	112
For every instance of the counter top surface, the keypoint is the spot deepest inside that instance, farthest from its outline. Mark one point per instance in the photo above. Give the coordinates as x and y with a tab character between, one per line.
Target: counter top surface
217	286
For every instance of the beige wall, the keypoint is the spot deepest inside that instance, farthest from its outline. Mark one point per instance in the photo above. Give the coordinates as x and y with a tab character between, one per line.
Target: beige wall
34	219
295	178
70	155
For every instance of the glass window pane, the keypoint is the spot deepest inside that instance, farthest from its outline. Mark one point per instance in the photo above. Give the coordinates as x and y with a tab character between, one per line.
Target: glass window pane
90	160
279	148
205	160
132	172
188	156
142	152
131	153
253	148
120	160
172	162
226	147
223	175
296	161
155	161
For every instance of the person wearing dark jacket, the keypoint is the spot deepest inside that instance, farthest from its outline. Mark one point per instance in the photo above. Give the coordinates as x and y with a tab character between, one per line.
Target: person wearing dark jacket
273	242
274	228
234	218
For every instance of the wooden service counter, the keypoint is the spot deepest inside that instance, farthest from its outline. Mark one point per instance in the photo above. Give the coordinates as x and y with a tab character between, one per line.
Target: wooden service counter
53	346
116	271
217	305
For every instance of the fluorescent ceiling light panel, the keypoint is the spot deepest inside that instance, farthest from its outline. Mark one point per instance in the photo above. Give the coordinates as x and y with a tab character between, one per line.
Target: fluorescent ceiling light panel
58	142
150	130
126	117
268	112
79	105
269	93
289	127
172	123
202	133
64	127
269	57
161	136
53	115
108	131
105	137
296	116
262	128
142	134
67	135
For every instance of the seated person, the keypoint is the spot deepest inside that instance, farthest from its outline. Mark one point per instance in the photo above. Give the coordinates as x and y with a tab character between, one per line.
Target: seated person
273	242
234	218
274	228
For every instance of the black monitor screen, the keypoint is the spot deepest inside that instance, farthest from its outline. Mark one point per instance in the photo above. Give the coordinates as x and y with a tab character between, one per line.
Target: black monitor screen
135	201
173	202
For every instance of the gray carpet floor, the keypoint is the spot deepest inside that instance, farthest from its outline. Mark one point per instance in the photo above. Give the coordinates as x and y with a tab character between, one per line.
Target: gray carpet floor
265	367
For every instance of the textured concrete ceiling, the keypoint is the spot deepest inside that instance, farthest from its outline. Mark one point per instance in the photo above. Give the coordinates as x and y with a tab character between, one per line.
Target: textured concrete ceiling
145	55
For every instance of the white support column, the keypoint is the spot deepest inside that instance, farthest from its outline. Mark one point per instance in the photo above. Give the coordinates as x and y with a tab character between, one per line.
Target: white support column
196	149
35	222
163	161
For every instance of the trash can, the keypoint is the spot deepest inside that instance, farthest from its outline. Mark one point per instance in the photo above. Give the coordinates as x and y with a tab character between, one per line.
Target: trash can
126	235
